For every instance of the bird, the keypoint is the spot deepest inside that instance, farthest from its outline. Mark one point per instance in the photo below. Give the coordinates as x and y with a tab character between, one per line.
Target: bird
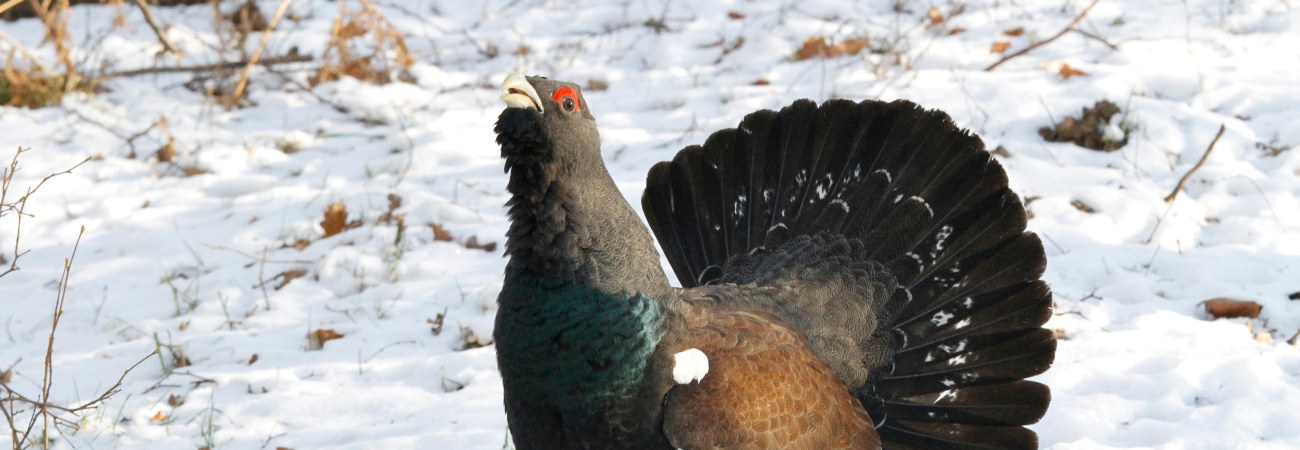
853	275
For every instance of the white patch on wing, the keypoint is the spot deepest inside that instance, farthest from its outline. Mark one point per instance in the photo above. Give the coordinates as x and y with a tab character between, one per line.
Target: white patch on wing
690	365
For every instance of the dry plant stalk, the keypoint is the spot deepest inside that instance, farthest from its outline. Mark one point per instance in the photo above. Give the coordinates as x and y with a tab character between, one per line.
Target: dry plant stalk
18	206
1049	40
53	13
248	69
27	82
346	56
1181	181
53	417
157	30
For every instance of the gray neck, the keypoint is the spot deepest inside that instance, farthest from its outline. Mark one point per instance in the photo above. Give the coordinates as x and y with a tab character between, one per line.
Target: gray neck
579	229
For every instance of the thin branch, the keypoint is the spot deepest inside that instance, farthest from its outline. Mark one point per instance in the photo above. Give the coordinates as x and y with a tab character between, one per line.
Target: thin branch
266	36
162	37
47	381
1097	38
117	387
1047	41
261	278
286	59
1179	187
19	206
9	4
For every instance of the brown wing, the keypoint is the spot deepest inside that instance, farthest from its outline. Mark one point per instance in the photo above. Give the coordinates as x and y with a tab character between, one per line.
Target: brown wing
765	389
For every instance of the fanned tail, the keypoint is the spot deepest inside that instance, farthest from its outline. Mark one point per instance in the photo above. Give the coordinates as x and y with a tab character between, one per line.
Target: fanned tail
926	201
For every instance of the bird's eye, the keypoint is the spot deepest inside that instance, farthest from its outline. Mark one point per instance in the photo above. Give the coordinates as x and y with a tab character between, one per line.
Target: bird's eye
567	98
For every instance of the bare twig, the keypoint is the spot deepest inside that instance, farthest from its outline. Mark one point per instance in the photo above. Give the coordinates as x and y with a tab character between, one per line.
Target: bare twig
51	13
55	418
261	278
47	381
19	206
266	36
1047	41
1179	187
256	258
162	37
129	139
307	90
1097	38
286	59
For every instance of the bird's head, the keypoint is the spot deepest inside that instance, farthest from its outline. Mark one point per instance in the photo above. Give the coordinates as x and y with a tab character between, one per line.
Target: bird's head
545	121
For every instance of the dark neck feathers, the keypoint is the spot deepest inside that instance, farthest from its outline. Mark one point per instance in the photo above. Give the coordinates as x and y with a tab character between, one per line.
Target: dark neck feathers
568	221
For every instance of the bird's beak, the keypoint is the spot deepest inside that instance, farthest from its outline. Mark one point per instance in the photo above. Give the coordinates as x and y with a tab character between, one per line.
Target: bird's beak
517	93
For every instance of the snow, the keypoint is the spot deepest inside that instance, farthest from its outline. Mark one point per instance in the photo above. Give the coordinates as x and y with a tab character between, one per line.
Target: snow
179	262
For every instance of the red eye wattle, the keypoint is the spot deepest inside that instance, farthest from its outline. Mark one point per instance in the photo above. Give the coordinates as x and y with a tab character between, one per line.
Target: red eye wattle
567	99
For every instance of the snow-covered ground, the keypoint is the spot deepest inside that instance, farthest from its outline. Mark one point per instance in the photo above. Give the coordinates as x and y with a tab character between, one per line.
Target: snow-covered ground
196	264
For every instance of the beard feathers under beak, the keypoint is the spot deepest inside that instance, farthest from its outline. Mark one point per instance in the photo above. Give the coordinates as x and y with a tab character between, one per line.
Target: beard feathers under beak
517	93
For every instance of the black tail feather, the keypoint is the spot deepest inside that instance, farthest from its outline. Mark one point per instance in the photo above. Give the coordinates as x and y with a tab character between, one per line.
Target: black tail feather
899	435
923	198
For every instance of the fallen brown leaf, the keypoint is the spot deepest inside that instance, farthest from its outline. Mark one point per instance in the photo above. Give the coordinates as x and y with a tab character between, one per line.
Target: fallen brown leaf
1081	206
735	15
818	47
316	340
1223	308
336	219
299	244
472	242
849	47
440	233
435	324
290	275
167	153
956	30
1066	71
1017	31
813	47
999	47
935	16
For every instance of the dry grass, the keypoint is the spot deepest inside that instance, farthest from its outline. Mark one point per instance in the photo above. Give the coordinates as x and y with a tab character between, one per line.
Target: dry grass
363	45
25	81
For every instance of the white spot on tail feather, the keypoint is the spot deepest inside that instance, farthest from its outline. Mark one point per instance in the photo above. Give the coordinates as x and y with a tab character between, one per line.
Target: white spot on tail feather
941	318
842	204
946	394
690	365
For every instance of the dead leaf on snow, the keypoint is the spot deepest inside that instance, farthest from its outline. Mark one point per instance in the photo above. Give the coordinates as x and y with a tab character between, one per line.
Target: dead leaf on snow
1224	308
